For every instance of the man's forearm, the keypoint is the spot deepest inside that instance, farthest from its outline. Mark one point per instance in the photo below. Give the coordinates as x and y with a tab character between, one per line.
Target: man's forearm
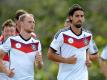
2	67
103	67
55	57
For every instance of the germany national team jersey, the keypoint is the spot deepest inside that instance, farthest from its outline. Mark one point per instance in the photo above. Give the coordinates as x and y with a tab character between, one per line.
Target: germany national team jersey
22	55
67	43
104	54
32	34
6	61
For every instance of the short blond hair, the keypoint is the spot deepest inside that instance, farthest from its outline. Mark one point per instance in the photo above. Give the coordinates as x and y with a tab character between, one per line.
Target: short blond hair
8	23
22	17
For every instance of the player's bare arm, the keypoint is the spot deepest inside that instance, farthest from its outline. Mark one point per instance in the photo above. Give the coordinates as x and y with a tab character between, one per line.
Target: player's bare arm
3	69
103	66
57	58
94	56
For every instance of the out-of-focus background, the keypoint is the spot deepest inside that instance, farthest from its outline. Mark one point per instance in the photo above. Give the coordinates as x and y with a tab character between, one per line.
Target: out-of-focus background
50	16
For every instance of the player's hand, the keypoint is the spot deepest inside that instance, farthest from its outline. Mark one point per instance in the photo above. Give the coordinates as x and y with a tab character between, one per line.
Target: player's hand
71	60
39	62
38	58
10	73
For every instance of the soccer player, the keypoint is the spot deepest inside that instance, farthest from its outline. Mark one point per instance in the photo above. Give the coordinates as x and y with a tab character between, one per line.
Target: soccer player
67	23
92	52
71	44
24	49
18	27
8	29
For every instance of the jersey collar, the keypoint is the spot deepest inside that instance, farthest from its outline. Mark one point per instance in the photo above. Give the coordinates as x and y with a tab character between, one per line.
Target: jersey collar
75	33
24	38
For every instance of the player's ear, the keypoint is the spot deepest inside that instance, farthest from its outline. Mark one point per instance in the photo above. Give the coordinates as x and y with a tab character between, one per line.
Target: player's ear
20	23
70	18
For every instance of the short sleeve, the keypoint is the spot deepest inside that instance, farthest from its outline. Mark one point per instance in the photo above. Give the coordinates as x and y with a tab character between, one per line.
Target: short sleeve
92	46
39	47
104	53
6	46
57	42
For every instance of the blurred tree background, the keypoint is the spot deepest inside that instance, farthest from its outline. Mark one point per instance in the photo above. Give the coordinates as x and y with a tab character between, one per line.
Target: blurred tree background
50	16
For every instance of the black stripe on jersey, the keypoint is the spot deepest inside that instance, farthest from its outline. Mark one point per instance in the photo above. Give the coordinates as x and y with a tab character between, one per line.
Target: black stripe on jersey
53	49
61	30
87	50
24	38
94	53
75	33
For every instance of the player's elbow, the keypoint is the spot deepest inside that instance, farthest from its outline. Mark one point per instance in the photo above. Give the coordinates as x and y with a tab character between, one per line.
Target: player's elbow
49	55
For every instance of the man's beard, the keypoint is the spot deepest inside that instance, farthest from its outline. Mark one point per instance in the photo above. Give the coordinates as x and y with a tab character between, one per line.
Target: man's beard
28	31
78	25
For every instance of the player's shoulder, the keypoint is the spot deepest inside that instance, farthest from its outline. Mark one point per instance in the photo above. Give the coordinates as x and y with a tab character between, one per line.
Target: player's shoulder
62	31
87	32
1	39
105	48
33	35
35	39
14	37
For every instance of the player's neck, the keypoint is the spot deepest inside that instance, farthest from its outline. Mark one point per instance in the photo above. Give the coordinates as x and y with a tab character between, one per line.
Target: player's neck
18	29
77	31
25	35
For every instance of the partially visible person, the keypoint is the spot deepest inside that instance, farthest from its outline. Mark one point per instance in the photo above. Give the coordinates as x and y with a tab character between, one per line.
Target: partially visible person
103	61
17	15
18	27
24	50
67	23
8	29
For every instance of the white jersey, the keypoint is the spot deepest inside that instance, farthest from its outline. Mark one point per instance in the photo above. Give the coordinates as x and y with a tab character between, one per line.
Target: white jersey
6	63
104	53
92	47
67	43
3	76
22	56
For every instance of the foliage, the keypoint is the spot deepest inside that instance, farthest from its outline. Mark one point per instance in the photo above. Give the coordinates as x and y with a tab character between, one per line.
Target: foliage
50	16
